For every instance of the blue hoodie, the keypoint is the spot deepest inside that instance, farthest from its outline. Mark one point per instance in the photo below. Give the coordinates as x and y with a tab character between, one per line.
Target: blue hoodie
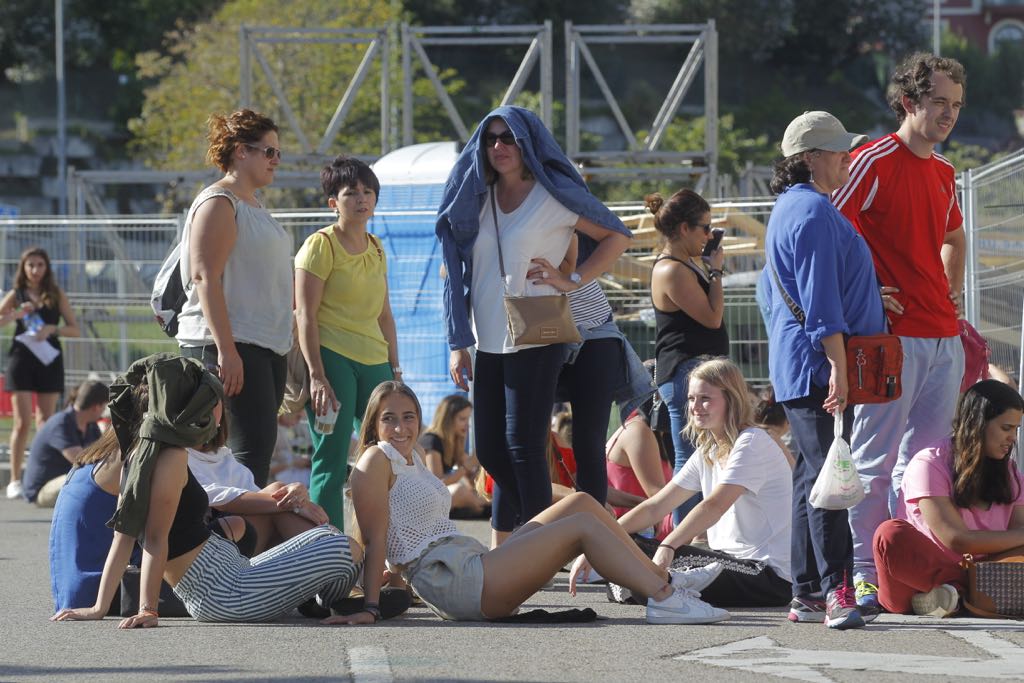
458	217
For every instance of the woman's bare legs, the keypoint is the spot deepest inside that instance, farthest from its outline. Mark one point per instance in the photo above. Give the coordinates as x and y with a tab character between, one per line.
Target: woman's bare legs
465	496
528	559
46	406
22	404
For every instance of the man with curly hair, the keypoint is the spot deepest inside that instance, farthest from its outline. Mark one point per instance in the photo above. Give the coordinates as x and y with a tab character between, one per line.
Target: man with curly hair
901	197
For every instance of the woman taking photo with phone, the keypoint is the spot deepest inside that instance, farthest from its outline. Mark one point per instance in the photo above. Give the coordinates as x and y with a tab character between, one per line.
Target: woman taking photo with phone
689	303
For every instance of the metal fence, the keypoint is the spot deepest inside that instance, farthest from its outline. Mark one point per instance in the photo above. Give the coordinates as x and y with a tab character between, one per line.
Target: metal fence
993	202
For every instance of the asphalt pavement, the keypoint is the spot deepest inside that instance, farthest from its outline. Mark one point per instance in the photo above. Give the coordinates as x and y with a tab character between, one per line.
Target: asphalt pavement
755	645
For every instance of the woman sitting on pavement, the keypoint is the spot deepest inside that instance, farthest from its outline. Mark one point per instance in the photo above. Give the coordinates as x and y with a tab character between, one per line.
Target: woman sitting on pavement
770	416
163	506
965	495
403	515
444	444
747	489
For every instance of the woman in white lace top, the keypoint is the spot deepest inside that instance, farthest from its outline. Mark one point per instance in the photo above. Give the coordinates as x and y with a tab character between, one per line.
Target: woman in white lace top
403	516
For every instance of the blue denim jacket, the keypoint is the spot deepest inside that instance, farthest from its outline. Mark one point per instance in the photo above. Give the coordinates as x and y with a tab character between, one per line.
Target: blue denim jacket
458	217
631	388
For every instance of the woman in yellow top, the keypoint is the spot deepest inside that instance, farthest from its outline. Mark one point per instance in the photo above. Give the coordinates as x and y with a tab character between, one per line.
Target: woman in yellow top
346	329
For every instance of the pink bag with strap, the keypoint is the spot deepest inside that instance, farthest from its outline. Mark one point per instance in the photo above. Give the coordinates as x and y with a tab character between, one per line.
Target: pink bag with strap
976	354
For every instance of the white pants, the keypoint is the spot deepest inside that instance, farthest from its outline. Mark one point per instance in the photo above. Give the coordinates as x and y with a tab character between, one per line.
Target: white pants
887	435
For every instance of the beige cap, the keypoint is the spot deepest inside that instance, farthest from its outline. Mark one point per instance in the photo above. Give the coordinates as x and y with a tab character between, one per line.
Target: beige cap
818	130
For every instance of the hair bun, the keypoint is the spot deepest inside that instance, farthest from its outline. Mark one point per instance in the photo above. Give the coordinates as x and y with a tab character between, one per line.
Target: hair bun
654	202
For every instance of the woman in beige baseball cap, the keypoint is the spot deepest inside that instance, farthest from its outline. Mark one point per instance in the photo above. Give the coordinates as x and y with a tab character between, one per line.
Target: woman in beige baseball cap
821	284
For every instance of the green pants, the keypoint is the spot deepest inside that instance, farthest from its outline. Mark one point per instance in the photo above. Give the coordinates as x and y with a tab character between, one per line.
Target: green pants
352	383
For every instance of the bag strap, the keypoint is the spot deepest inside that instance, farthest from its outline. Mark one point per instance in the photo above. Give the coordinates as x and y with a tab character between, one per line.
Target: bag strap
497	234
837	428
797	312
978	611
330	242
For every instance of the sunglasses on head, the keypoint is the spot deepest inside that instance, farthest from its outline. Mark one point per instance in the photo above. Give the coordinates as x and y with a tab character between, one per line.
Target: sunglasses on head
268	152
506	137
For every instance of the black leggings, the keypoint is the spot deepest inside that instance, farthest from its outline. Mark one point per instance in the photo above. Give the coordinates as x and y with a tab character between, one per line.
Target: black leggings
252	414
743	583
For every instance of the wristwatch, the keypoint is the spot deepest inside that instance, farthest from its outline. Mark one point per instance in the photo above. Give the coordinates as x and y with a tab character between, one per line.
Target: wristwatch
396	369
576	278
716	273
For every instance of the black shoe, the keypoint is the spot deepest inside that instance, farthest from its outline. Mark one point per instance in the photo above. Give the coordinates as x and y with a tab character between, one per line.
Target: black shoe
311	609
393	601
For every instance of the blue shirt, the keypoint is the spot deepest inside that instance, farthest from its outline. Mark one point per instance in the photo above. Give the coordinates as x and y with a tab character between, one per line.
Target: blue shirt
458	217
826	268
79	539
46	459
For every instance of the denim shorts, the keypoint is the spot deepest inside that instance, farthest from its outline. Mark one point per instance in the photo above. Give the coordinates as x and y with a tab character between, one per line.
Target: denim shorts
449	577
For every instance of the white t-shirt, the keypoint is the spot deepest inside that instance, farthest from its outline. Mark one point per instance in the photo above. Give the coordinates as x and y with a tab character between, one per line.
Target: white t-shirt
758	525
539	228
221	476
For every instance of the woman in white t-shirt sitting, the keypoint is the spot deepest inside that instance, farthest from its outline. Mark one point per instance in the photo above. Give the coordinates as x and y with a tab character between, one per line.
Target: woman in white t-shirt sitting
747	486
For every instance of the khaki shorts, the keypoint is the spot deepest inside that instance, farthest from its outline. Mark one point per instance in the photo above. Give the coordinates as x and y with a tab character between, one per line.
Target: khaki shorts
449	577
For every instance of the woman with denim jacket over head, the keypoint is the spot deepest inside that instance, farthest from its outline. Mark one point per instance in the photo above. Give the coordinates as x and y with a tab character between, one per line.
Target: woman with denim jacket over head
689	304
514	386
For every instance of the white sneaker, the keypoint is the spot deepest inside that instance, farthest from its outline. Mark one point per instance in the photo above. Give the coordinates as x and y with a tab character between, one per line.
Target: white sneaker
14	490
696	579
683	607
940	601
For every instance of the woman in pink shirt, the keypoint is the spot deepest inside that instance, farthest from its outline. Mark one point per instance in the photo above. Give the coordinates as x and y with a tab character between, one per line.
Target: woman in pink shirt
965	495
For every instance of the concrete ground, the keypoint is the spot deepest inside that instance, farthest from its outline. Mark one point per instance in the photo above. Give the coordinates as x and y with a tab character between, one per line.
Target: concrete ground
756	645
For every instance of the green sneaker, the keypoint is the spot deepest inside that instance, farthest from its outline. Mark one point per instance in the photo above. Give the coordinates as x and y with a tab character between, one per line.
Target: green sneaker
867	600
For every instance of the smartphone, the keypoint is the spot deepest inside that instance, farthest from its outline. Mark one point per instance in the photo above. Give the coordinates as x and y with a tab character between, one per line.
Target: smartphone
716	240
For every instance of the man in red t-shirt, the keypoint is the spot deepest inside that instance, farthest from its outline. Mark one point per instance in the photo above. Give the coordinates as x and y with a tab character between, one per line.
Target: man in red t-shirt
901	197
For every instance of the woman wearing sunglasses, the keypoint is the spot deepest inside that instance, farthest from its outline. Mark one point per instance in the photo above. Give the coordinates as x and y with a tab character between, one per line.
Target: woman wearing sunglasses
512	182
237	271
688	305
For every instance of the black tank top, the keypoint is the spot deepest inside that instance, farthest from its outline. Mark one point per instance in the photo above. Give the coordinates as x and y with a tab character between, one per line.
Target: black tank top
50	315
188	529
680	337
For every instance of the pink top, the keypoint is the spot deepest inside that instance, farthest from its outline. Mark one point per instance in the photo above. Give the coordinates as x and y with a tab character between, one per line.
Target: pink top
930	474
624	479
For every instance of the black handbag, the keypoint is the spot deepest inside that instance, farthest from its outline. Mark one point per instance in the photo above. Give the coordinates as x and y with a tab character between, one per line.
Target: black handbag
170	605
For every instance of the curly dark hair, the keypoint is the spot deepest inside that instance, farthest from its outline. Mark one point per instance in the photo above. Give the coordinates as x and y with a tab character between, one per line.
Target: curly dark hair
685	206
977	478
225	133
913	79
347	171
789	171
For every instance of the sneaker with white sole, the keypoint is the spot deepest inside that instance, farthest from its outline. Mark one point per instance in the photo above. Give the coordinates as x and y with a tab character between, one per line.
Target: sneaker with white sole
841	610
940	601
867	600
683	607
696	579
14	489
807	609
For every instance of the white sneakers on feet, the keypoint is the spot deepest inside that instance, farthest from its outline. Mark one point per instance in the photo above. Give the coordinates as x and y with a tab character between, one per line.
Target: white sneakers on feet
14	490
940	601
695	579
683	606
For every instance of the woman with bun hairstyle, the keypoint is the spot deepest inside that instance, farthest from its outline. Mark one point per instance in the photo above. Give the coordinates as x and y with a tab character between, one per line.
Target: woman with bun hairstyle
689	303
237	272
37	304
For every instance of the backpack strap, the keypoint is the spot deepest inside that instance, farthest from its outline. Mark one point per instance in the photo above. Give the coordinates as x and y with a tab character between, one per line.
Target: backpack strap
797	312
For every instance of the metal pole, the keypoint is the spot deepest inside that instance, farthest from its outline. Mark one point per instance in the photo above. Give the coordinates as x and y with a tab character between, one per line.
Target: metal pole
245	87
62	115
970	230
385	92
546	80
711	106
407	98
936	27
572	84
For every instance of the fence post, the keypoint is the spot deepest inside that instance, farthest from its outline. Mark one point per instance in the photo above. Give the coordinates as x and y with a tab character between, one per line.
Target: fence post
970	230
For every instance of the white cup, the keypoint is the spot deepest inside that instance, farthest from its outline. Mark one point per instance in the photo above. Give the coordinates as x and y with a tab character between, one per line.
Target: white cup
324	424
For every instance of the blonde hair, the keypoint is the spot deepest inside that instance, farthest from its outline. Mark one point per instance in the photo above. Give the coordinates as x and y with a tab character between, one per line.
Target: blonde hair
443	425
739	410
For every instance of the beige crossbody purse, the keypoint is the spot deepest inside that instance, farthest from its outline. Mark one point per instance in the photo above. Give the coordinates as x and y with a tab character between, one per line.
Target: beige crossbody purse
544	319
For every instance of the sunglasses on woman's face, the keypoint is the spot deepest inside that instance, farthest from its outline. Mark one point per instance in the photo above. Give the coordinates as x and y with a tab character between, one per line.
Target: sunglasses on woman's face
268	152
506	137
705	227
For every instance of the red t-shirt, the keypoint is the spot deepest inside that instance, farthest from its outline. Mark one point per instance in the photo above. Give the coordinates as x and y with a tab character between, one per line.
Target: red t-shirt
904	205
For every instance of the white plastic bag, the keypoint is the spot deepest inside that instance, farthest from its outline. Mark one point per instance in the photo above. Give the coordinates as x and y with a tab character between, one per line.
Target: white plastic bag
838	485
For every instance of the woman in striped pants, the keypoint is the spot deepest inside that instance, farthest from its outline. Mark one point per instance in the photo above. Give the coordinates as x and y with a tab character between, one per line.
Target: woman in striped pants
163	405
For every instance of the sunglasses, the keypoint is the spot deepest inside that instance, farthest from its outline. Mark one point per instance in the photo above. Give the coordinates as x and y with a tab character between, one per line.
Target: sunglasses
706	228
268	152
506	137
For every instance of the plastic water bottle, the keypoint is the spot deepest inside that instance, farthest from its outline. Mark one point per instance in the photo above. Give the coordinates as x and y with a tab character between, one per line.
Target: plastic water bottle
33	323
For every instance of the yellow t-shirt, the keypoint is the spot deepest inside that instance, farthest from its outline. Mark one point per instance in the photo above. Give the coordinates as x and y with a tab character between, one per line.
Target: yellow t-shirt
354	289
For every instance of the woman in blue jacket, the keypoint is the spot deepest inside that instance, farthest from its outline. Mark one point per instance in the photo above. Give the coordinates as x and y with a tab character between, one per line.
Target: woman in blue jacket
818	266
540	202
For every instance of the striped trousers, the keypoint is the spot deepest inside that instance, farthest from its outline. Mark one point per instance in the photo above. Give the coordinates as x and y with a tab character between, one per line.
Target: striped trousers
223	585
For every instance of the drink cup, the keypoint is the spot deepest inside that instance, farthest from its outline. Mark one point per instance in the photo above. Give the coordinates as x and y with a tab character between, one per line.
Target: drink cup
324	424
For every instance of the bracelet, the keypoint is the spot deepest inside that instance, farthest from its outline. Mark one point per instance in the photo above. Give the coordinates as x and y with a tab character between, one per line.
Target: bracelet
144	612
666	545
715	273
373	612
